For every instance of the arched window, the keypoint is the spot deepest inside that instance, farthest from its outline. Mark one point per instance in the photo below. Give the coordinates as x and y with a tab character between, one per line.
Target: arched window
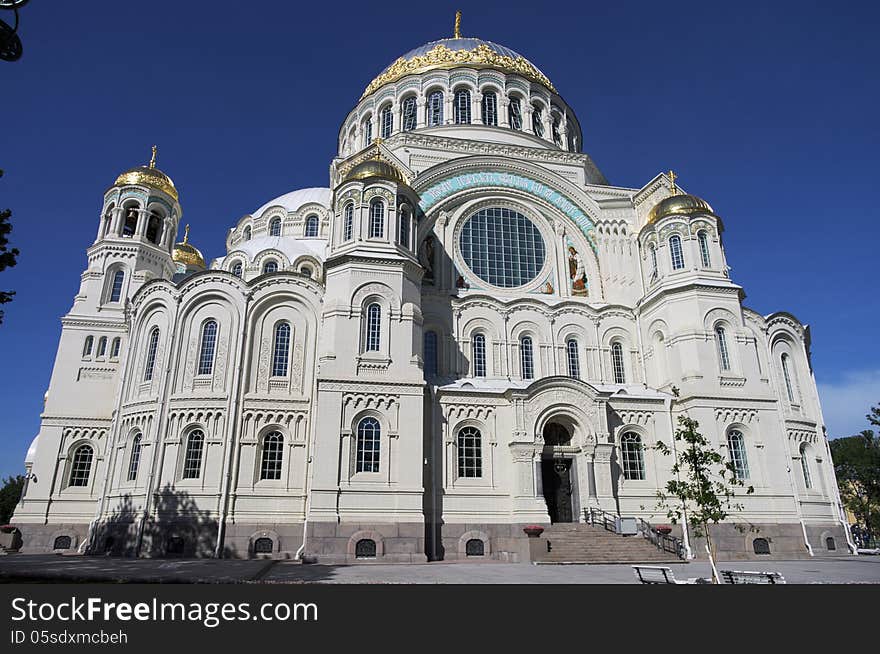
703	239
736	446
206	351
373	331
617	369
761	546
311	226
281	351
307	271
151	354
386	119
430	353
154	228
721	342
87	346
275	227
403	228
81	466
129	226
409	114
555	133
805	465
270	266
192	460
526	357
62	543
479	355
675	252
263	546
247	233
134	458
237	269
462	107
830	545
114	349
368	439
537	121
470	452
273	454
434	109
348	222
116	289
489	107
102	346
365	548
632	456
573	358
786	375
377	218
514	113
654	269
108	218
368	132
475	547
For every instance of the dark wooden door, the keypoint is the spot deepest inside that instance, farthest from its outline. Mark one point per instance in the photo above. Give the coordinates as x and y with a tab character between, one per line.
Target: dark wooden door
556	477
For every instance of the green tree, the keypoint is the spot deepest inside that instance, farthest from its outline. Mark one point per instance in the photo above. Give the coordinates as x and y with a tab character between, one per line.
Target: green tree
703	486
857	466
10	493
7	255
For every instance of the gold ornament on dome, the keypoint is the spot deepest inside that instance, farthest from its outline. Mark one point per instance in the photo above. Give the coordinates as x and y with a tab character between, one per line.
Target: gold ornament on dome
441	56
187	254
150	176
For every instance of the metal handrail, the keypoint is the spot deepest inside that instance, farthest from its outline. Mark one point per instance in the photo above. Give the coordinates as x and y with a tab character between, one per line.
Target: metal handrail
664	542
599	517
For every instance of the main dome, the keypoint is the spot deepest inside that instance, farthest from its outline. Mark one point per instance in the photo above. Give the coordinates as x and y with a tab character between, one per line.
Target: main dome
455	52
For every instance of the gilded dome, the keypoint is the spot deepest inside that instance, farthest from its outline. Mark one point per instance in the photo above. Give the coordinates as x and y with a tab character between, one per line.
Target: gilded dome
186	254
374	168
459	52
679	205
150	176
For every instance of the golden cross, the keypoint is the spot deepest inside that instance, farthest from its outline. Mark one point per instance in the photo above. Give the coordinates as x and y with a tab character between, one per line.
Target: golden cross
186	234
153	158
457	25
672	178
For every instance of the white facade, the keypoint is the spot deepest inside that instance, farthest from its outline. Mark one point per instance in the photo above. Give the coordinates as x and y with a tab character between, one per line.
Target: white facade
404	360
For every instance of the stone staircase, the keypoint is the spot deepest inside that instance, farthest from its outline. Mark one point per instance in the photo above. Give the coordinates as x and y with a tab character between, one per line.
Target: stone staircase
584	543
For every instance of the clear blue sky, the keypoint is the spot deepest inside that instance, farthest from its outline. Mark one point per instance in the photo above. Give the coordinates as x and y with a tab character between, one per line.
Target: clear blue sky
766	109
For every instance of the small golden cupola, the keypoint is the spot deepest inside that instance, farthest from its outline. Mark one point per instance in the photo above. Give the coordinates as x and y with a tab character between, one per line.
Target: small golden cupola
679	204
149	176
187	257
376	167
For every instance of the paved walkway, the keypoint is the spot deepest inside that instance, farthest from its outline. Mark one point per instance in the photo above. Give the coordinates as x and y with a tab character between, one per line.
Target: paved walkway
48	567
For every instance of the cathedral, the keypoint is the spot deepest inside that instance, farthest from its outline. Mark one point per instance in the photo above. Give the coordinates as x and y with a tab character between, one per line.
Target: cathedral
468	332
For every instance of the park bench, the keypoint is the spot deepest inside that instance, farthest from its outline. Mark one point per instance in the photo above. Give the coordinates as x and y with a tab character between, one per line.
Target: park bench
658	574
748	577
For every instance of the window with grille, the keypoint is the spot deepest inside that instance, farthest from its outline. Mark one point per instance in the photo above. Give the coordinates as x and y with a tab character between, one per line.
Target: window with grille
805	466
373	328
736	446
470	453
62	543
654	269
134	458
273	454
409	114
830	544
526	357
514	113
114	349
786	375
275	227
281	350
721	342
247	233
761	546
462	107
87	346
270	266
116	290
368	132
475	547
403	228
81	466
151	354
348	222
430	353
617	368
490	109
368	440
102	346
479	355
237	269
557	135
574	365
206	351
386	121
676	253
311	226
192	460
703	240
435	109
377	218
263	546
502	247
537	121
632	456
365	549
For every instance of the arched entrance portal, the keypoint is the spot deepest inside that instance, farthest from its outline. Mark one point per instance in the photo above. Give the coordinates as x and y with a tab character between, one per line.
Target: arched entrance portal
556	473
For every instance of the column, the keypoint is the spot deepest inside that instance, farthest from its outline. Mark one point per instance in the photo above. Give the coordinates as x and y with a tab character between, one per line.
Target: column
421	114
477	108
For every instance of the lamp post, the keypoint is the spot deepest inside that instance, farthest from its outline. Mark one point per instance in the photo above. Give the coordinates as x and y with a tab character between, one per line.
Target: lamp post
10	44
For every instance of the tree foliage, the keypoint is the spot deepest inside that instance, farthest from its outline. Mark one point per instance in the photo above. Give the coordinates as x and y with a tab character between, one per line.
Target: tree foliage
7	255
857	466
10	493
